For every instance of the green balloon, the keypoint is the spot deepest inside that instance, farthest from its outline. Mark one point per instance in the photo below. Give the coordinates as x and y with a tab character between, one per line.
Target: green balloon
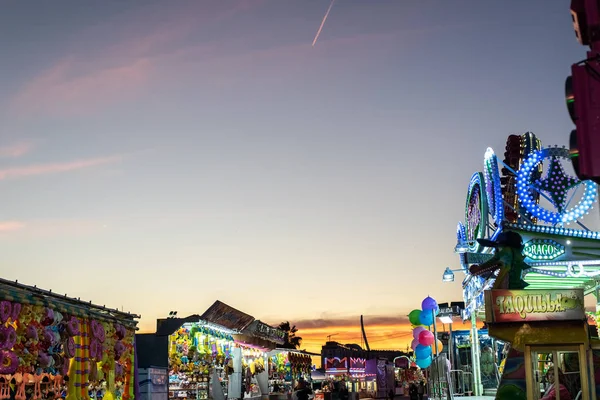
413	317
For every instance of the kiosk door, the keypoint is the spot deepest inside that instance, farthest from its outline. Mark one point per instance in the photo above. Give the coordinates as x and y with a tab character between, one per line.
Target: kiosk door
556	372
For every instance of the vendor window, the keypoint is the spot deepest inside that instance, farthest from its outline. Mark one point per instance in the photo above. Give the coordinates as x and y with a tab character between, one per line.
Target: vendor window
556	373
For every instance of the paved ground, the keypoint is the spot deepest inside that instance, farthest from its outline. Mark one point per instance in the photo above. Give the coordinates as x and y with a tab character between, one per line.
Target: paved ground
455	397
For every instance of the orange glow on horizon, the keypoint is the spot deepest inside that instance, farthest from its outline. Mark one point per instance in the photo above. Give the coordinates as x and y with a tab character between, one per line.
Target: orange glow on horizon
381	337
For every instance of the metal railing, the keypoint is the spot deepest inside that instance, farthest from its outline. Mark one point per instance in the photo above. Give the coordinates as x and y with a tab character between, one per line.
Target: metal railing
462	383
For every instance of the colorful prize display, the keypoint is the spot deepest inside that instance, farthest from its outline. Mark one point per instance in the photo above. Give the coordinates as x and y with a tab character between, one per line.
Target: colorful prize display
423	339
54	347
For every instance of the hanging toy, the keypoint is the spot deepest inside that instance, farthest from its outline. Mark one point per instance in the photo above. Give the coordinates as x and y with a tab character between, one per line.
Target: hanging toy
8	337
73	326
16	310
5	311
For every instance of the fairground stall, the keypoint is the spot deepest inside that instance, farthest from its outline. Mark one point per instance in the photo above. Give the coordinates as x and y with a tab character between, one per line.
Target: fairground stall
406	372
54	346
352	372
548	335
220	354
490	350
286	368
384	373
534	196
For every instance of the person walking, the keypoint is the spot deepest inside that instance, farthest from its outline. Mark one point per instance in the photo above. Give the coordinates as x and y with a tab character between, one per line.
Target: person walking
421	390
302	390
413	392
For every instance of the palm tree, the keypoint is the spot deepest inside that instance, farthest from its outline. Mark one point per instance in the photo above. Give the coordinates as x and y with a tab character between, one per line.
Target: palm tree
292	341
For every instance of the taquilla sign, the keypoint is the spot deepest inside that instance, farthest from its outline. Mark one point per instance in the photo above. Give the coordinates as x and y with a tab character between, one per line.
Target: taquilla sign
534	305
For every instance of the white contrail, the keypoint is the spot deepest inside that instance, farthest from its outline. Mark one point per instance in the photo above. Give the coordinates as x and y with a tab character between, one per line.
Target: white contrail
323	23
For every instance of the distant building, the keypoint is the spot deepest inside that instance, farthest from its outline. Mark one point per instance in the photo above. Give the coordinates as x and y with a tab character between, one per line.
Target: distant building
334	349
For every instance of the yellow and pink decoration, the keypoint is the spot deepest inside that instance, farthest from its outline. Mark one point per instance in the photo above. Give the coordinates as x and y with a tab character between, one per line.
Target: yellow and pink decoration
40	346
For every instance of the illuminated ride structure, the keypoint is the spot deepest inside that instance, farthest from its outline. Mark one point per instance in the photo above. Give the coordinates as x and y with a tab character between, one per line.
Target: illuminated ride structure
531	193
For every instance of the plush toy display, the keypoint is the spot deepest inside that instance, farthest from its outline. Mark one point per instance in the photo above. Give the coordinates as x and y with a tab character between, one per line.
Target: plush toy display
42	352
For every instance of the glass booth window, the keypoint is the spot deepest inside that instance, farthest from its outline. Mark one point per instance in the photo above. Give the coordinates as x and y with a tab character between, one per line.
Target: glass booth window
557	374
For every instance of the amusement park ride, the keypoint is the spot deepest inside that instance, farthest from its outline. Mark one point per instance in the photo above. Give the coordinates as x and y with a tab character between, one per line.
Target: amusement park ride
544	325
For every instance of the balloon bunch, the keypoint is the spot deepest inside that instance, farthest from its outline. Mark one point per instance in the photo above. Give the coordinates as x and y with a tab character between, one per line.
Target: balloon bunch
423	339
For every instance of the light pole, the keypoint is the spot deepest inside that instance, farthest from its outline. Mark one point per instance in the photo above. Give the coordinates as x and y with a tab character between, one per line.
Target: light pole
449	274
447	312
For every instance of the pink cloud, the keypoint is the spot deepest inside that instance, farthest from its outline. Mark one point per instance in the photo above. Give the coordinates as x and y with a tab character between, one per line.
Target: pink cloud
44	169
46	228
15	150
78	85
66	90
11	226
299	59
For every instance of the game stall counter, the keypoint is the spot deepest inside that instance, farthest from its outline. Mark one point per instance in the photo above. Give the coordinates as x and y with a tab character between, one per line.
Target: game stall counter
195	351
286	368
54	347
546	331
220	354
406	372
352	372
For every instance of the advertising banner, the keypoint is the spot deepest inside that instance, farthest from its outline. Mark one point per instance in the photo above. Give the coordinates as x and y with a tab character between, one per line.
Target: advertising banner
534	305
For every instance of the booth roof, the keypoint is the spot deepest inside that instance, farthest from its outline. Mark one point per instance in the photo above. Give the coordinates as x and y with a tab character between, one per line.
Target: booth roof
17	292
266	332
308	353
318	375
219	314
222	314
168	326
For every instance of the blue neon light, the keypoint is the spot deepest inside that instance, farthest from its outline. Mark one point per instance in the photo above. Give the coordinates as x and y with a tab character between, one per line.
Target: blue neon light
524	190
492	186
476	218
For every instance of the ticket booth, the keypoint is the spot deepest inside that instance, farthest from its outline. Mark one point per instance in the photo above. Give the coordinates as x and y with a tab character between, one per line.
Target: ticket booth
550	346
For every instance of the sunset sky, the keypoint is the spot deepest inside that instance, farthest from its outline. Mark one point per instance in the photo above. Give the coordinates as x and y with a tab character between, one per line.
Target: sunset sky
160	155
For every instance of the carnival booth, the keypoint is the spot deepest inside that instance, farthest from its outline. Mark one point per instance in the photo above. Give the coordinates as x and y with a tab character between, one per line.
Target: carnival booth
491	355
538	202
337	371
549	335
220	354
383	373
350	372
406	372
54	347
286	368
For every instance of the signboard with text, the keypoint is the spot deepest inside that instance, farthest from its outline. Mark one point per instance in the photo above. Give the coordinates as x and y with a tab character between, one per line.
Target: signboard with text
543	249
534	305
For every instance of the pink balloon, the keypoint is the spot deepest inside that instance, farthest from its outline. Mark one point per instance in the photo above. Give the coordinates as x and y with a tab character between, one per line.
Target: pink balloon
426	338
417	331
414	344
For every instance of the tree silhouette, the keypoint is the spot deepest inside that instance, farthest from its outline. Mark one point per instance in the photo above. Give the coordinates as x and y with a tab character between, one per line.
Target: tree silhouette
292	341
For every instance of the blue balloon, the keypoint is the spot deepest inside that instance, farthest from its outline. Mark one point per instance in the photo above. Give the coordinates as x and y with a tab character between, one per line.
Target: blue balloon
426	318
429	304
422	352
423	362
